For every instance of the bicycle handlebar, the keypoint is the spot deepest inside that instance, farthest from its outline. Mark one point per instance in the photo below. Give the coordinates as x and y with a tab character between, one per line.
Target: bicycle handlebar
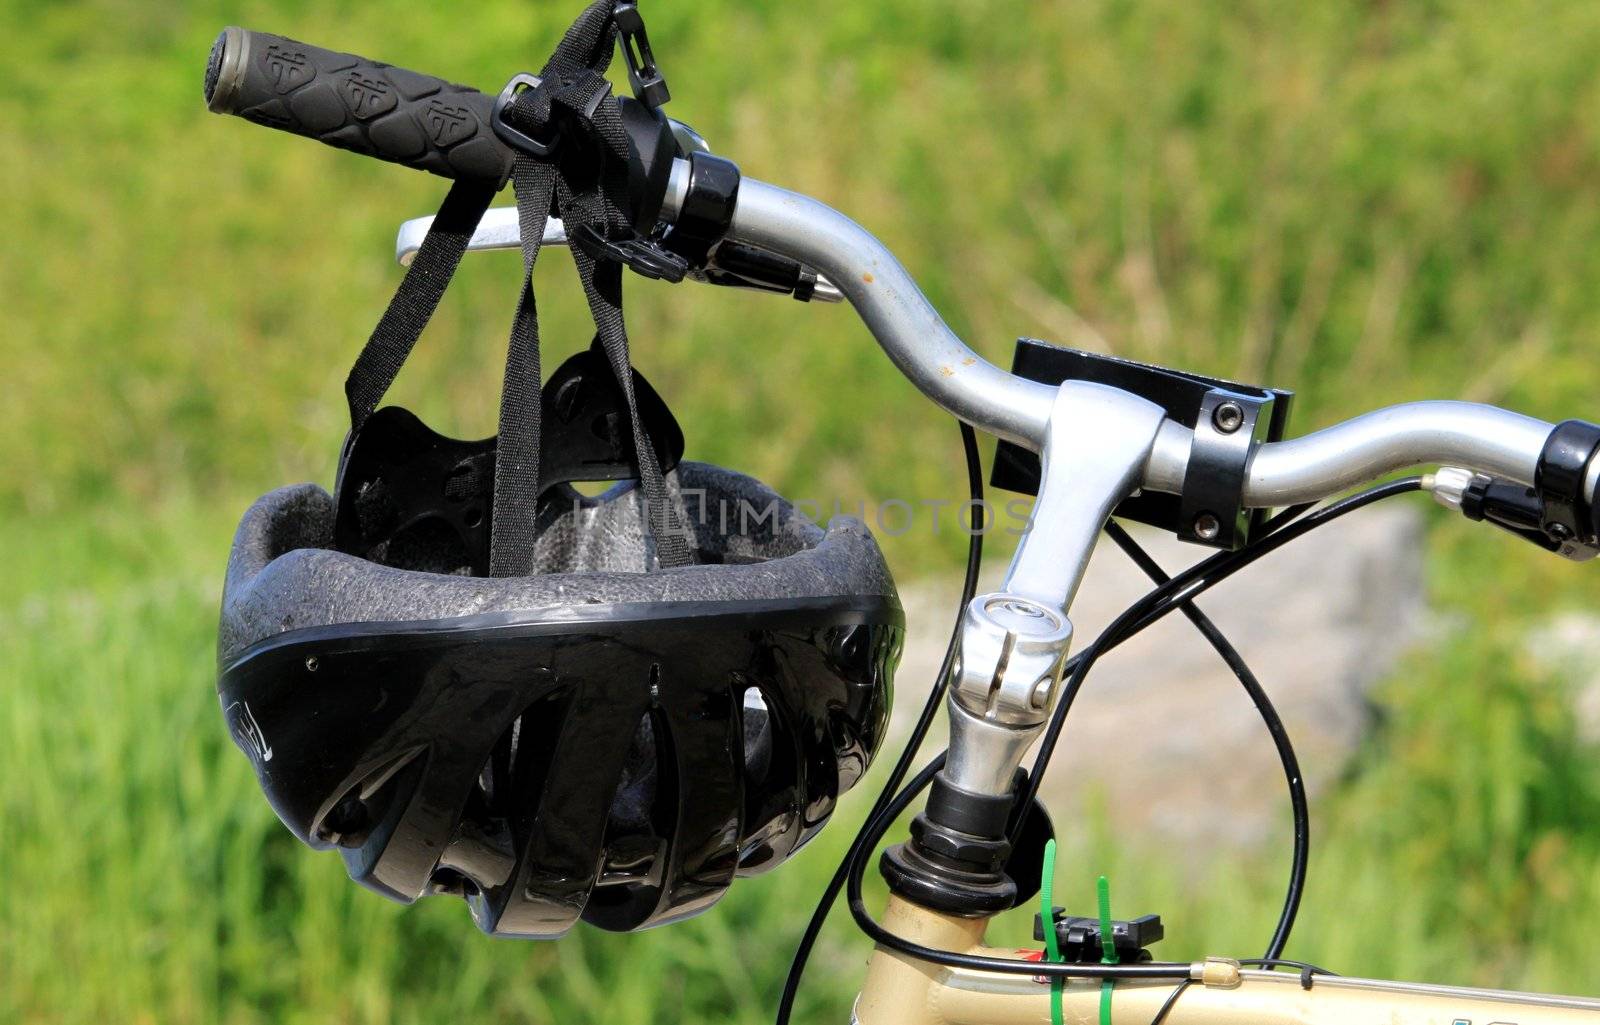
943	367
420	121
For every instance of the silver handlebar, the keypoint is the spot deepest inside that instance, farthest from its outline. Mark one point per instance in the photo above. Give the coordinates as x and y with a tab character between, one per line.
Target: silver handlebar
1314	466
966	385
894	309
854	265
1097	445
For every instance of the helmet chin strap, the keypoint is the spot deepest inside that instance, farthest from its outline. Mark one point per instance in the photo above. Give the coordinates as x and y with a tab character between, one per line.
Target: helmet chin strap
411	497
573	161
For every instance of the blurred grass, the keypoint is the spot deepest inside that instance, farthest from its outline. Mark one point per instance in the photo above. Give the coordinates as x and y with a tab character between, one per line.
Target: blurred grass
1366	202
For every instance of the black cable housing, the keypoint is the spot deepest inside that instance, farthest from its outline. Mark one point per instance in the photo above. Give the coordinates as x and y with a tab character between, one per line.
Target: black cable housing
1184	587
1299	807
1176	592
1280	962
1166	1008
919	732
950	959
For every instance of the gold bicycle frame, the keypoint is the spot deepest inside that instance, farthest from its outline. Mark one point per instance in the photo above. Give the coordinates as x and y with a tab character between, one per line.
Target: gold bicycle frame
903	991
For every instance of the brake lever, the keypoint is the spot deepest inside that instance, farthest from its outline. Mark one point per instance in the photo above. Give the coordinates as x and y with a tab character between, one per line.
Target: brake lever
499	229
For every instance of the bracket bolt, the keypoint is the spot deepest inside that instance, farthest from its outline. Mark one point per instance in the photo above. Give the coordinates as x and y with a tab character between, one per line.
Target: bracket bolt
312	665
1228	417
1207	527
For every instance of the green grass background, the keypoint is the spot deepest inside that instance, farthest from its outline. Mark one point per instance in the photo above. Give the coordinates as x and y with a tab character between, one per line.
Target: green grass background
1363	201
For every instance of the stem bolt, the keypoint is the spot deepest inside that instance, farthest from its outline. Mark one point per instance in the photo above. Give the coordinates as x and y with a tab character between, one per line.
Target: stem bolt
1206	527
1228	417
312	664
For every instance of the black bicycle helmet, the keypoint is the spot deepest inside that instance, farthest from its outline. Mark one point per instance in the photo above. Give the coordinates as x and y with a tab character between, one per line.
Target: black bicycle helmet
469	678
591	741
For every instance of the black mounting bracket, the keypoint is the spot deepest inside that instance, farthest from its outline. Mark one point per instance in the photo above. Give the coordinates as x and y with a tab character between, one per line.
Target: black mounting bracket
1080	940
1229	419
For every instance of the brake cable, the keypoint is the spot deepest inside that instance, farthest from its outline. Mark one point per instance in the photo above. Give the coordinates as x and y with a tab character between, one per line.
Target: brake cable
1187	585
1300	810
1155	605
919	732
950	959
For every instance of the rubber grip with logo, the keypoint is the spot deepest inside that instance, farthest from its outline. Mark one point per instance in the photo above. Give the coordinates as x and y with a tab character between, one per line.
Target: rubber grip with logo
356	104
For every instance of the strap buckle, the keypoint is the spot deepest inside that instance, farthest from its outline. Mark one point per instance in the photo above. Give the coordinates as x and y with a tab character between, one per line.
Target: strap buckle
514	137
641	255
649	86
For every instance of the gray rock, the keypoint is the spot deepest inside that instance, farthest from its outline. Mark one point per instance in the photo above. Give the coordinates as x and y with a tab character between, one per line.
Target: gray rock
1163	737
1568	646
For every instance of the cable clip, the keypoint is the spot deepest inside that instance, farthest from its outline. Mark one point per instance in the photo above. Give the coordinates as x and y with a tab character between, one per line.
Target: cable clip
1083	940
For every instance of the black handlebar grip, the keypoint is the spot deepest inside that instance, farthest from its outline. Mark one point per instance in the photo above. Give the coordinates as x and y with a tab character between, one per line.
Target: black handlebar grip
356	104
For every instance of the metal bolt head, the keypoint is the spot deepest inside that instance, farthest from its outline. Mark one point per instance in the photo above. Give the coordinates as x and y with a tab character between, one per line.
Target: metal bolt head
1228	417
1027	610
1207	527
312	664
1041	692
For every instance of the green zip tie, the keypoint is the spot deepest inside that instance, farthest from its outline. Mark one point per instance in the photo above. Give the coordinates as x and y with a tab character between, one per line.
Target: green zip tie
1052	949
1108	948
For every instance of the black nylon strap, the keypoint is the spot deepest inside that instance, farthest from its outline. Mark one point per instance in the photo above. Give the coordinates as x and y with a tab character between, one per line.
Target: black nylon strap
589	41
417	297
574	89
601	200
588	186
516	463
602	285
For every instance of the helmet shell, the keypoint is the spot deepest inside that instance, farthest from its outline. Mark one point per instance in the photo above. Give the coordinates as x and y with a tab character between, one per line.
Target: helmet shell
602	744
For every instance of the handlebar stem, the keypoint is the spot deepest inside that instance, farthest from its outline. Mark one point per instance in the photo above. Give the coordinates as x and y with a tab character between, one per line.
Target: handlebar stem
1014	642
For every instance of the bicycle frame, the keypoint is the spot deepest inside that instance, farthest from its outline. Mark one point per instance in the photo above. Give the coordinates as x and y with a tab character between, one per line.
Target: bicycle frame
1097	446
900	991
